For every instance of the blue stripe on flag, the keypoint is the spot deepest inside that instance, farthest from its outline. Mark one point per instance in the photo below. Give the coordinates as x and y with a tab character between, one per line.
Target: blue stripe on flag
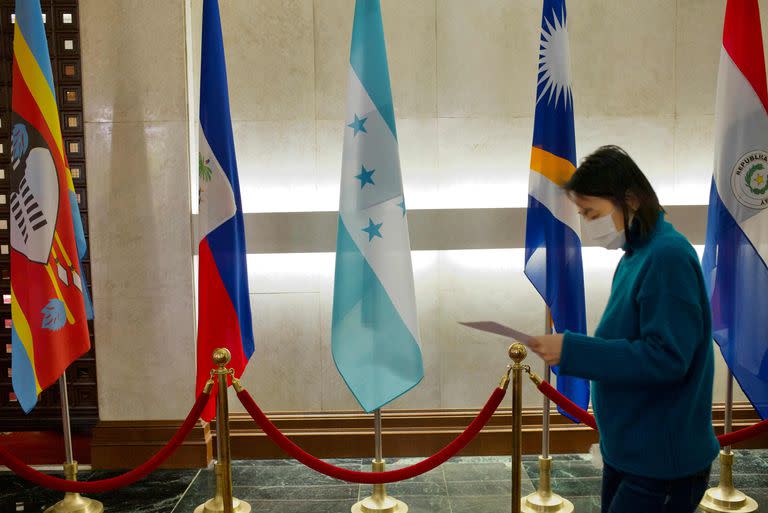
215	119
737	280
29	19
82	249
22	375
373	349
368	58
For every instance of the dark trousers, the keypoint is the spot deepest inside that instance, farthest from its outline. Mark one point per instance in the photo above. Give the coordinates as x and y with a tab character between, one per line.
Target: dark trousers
626	493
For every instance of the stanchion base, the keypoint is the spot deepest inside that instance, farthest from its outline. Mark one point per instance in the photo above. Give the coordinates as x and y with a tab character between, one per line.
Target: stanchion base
721	499
387	505
549	503
216	505
74	503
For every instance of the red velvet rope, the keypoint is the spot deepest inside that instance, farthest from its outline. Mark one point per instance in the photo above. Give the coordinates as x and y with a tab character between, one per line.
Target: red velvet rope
389	476
584	416
54	483
746	433
567	405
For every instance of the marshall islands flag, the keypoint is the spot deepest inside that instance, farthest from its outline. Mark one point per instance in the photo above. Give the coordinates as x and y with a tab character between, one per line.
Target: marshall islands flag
552	243
224	313
736	252
50	307
375	337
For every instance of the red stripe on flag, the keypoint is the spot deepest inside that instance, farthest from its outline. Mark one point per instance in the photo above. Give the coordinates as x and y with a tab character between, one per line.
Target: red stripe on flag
743	40
217	325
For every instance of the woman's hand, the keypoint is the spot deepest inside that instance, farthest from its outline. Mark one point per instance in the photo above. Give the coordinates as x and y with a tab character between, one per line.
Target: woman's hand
548	347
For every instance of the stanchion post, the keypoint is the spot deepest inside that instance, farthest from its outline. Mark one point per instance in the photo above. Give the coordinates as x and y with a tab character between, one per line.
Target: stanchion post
725	497
517	353
223	502
72	502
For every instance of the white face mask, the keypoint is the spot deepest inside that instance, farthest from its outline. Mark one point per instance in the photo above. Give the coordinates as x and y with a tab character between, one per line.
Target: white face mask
602	231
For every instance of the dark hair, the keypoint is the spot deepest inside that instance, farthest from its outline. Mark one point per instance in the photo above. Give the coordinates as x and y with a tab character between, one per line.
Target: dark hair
611	173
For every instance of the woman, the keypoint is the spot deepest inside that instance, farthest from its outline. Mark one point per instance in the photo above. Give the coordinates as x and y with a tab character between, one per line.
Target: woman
651	360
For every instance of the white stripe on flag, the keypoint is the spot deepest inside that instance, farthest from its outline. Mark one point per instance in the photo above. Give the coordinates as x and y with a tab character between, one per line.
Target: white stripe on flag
741	127
555	199
389	256
217	200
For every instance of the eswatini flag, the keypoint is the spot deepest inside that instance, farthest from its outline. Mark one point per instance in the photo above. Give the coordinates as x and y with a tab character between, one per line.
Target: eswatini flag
224	315
49	301
736	251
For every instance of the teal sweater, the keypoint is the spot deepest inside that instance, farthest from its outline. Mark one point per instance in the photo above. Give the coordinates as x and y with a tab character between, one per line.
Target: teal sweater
651	361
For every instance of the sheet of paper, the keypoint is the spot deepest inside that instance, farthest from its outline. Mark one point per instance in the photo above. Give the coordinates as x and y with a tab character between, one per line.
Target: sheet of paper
499	329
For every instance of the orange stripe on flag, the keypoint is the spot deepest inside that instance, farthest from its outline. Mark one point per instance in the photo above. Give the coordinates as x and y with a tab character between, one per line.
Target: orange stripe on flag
557	170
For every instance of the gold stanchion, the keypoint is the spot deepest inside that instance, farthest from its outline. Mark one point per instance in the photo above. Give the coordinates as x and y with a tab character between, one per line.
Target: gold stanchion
72	502
725	497
223	501
517	353
379	501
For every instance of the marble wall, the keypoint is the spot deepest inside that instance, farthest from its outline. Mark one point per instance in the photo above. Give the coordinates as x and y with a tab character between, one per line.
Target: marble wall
134	82
462	78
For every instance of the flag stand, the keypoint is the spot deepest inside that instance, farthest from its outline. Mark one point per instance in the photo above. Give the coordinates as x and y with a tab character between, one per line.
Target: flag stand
379	501
72	502
724	497
543	499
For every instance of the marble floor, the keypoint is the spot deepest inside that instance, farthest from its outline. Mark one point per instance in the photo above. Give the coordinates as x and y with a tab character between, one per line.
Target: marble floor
463	485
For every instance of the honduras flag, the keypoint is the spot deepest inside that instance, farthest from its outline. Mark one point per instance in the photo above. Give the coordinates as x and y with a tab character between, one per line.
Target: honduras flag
552	243
375	337
224	314
736	250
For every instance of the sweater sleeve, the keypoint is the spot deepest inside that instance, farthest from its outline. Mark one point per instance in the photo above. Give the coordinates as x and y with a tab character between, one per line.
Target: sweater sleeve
671	326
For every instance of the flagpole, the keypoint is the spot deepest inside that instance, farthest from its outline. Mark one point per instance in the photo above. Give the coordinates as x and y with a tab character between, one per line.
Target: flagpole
725	497
68	458
72	502
377	434
379	501
544	499
728	427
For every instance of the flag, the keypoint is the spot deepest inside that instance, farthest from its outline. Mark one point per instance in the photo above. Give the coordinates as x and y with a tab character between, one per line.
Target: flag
375	336
50	307
736	250
552	238
224	313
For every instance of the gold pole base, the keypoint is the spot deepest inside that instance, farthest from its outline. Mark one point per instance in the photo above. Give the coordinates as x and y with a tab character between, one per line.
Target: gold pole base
74	503
386	504
216	505
722	499
379	501
543	503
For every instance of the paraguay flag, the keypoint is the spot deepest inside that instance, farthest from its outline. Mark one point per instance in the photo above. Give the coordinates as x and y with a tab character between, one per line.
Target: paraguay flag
736	250
552	243
375	336
49	298
224	314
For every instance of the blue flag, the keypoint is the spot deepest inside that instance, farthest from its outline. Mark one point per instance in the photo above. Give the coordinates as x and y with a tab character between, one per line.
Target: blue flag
552	243
375	336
